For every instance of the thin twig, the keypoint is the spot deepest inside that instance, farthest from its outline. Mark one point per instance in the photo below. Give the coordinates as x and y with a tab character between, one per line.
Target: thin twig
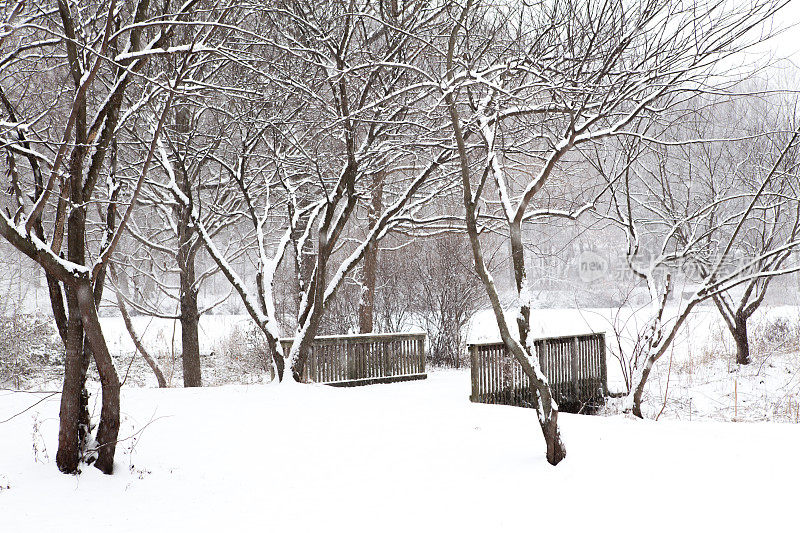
29	408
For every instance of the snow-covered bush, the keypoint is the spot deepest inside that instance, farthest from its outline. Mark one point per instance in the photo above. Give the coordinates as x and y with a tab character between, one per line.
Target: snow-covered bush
775	334
28	345
238	357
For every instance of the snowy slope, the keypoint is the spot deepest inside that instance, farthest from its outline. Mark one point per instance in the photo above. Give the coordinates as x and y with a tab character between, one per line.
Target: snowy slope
403	457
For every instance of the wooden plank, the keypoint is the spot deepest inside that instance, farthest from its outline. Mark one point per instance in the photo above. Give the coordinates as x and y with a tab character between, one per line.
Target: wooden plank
491	390
495	387
603	363
421	344
404	357
374	360
366	348
575	368
487	358
473	373
481	374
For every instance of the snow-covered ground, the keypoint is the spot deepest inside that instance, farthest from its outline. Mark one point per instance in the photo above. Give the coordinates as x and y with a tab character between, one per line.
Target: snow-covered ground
419	456
412	456
163	336
702	380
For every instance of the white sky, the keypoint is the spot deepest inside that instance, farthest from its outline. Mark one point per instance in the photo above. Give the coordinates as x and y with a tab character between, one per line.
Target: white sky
785	45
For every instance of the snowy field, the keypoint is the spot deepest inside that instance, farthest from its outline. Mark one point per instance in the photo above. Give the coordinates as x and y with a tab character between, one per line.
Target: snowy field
403	457
417	456
698	377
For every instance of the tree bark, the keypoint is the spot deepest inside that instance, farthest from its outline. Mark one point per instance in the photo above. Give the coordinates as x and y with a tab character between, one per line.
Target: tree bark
310	322
740	337
190	318
369	267
639	391
190	315
108	429
556	451
548	409
71	413
74	420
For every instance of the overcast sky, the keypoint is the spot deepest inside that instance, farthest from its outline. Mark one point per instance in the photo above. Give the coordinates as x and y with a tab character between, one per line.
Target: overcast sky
787	43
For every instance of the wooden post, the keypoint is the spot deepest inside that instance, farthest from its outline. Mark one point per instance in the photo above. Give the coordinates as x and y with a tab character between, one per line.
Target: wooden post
473	370
386	358
575	367
603	369
350	362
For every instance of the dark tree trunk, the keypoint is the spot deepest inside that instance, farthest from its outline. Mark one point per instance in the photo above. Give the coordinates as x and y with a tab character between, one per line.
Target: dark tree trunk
548	419
190	315
639	391
366	303
311	321
310	318
740	337
73	391
369	267
74	421
556	451
108	429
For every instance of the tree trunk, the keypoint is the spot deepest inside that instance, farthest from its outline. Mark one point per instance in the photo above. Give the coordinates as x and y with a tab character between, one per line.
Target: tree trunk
548	419
74	420
108	429
308	330
190	315
740	337
152	363
556	451
638	391
71	413
309	319
190	318
369	267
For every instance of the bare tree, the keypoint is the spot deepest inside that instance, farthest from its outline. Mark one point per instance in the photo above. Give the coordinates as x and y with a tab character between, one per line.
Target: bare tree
671	219
525	85
137	342
341	114
56	142
774	222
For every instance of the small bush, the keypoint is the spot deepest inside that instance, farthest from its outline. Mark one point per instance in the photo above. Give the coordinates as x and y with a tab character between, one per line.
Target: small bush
28	344
241	353
778	334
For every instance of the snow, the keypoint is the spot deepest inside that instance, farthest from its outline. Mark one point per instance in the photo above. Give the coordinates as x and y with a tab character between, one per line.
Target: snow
414	331
193	48
414	456
544	323
164	336
43	250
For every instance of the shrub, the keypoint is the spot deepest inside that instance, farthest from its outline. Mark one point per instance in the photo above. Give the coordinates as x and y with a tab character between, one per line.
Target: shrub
28	345
775	334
